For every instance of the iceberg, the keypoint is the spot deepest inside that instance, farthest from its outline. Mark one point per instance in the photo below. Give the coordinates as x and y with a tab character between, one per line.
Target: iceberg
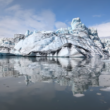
106	43
75	41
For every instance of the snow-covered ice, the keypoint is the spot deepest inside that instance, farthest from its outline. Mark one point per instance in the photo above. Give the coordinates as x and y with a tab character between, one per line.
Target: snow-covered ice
75	41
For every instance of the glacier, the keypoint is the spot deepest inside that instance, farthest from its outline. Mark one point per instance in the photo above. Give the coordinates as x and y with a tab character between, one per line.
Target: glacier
106	42
74	41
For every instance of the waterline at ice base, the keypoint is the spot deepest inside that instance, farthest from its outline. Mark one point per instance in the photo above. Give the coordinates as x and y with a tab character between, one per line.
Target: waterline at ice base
75	41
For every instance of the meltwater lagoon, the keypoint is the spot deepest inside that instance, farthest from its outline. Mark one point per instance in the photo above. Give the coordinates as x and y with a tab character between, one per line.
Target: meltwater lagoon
33	83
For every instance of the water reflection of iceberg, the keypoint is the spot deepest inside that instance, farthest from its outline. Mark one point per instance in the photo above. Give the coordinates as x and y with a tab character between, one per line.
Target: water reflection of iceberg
77	73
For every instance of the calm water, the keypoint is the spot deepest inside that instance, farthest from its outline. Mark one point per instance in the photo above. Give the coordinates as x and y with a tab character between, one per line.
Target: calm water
54	84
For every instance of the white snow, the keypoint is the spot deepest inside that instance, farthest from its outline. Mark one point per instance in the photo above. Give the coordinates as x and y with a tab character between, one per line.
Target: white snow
84	42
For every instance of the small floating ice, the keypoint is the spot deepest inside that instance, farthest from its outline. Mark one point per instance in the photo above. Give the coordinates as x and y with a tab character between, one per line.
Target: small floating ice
107	89
78	95
99	94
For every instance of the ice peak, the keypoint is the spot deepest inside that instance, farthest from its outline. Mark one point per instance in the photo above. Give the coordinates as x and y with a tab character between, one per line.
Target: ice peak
76	23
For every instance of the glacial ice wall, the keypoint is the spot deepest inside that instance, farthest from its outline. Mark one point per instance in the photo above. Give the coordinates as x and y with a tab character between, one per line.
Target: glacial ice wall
106	42
75	41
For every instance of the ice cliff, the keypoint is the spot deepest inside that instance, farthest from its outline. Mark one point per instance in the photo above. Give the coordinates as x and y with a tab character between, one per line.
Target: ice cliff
106	42
75	41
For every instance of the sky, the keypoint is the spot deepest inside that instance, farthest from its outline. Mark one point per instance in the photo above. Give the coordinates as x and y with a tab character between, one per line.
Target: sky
17	16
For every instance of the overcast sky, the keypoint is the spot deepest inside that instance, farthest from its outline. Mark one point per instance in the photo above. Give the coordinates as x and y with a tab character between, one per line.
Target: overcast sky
17	16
